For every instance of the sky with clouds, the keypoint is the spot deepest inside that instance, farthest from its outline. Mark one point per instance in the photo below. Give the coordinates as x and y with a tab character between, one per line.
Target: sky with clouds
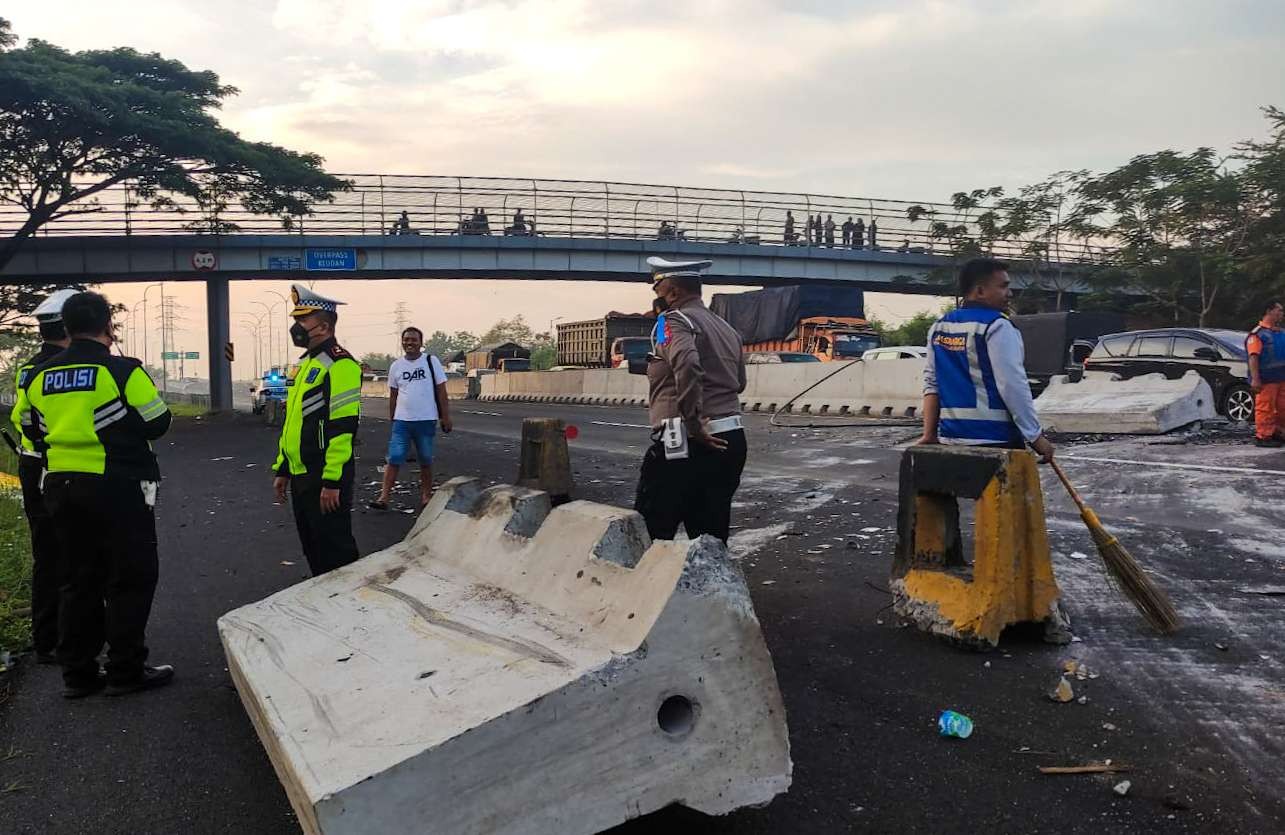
903	99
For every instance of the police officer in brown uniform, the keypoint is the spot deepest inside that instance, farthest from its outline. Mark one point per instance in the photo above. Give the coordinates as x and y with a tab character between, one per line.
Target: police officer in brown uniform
695	374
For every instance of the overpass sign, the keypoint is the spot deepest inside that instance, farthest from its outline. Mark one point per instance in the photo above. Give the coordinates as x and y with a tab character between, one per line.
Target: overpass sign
338	258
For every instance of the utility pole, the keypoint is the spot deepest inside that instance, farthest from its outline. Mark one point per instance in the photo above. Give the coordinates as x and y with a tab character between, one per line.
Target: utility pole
401	315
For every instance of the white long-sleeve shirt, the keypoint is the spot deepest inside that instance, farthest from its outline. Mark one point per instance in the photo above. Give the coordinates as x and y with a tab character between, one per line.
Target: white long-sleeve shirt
1008	362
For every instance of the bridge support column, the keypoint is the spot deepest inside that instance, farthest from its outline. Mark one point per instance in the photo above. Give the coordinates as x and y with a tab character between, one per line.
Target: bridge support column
219	328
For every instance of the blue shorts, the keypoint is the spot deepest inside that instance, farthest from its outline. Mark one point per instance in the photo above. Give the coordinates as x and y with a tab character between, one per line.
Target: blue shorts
406	432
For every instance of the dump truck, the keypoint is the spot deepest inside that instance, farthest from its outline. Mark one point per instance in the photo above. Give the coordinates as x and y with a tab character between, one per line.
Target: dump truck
489	356
1057	343
827	322
588	343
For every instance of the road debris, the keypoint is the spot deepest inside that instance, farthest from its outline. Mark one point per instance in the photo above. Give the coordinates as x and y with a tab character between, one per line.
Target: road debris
1062	691
1122	788
954	724
1272	591
1107	767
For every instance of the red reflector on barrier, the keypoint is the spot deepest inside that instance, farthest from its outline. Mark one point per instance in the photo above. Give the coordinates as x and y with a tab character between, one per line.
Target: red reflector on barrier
572	433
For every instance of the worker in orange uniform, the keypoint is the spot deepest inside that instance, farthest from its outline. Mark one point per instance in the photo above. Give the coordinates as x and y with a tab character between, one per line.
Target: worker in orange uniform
1266	347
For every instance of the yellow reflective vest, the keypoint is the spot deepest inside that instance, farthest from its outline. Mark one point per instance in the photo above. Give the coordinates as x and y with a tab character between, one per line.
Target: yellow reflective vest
322	410
21	416
96	413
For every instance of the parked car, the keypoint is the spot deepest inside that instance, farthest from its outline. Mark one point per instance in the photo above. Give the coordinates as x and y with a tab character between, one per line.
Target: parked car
1216	355
773	357
896	352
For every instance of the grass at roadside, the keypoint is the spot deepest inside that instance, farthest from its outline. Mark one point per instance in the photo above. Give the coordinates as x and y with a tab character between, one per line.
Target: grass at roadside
8	460
187	410
15	573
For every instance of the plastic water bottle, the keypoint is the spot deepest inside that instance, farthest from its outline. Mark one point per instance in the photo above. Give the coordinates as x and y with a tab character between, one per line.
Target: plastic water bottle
954	724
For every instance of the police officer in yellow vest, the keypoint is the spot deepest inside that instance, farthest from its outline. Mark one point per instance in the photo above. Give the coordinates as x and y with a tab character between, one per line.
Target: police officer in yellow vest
44	537
315	458
97	414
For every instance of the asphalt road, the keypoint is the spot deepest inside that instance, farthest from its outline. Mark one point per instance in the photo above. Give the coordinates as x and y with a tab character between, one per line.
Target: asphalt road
1200	726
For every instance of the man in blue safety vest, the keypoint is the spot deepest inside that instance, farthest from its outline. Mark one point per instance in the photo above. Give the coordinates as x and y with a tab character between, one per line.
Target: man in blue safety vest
975	388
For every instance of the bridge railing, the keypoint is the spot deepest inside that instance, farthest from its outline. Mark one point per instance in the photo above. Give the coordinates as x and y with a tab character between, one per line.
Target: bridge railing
400	205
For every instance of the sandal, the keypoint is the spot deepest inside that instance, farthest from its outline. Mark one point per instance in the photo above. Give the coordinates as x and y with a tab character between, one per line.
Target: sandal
377	505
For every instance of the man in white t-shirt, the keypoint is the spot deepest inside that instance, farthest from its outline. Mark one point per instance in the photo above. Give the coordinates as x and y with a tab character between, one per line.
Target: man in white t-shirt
416	405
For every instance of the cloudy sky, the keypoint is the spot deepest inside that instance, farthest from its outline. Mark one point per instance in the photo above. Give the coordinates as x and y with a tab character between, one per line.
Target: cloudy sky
904	99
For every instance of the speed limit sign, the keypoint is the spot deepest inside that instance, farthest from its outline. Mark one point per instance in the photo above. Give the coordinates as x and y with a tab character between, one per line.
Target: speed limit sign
204	260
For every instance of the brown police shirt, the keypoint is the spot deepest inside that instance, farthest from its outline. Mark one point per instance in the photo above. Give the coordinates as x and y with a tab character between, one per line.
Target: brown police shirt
698	371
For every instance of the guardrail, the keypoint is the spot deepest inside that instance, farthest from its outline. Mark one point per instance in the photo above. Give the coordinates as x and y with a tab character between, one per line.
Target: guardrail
406	205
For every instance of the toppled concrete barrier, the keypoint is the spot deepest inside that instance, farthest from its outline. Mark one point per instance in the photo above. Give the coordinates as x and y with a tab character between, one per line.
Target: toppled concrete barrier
1102	403
1011	577
510	668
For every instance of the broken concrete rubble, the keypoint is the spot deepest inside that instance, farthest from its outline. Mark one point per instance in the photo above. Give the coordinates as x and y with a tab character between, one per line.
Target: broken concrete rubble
511	668
1147	405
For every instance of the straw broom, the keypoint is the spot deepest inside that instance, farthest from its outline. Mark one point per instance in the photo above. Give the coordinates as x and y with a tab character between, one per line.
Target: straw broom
1123	569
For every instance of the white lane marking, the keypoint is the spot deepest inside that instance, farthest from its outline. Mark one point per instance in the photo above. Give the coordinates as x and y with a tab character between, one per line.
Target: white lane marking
625	425
489	414
1172	466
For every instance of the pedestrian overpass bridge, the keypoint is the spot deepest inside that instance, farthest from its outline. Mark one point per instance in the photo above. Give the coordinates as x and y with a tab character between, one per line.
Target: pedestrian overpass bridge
391	227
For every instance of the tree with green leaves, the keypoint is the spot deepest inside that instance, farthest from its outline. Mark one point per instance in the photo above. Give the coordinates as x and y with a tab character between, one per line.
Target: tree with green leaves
509	330
378	362
73	125
442	344
1181	224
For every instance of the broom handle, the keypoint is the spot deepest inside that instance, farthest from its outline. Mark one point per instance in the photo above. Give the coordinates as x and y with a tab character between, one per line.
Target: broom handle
1066	482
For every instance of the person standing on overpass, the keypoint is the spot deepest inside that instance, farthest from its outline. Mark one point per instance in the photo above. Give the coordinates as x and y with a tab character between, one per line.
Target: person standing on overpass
315	454
975	388
695	374
45	550
417	405
1266	348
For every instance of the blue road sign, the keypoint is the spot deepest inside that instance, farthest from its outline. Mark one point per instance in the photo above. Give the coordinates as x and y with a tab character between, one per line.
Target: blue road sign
285	262
342	258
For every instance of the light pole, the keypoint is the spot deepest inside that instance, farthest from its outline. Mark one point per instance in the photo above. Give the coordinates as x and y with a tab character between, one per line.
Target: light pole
133	317
268	310
255	324
285	350
145	291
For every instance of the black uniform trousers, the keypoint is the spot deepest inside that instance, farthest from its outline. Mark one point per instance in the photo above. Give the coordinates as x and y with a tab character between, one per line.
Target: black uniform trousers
326	537
695	491
46	562
108	536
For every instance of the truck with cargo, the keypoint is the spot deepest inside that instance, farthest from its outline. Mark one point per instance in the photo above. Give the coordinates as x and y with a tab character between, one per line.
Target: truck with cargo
489	356
825	321
588	344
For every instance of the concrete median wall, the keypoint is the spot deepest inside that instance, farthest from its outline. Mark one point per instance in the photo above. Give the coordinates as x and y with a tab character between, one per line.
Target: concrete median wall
884	388
457	388
510	668
1146	405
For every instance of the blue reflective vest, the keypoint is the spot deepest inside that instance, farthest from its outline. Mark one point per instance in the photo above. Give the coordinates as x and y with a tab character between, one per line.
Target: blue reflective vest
1271	360
972	411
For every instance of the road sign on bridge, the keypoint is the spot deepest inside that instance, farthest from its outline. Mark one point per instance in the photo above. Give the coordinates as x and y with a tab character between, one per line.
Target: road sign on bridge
337	258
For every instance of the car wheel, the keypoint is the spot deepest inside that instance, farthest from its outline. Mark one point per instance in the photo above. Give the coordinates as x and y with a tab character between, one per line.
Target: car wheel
1238	404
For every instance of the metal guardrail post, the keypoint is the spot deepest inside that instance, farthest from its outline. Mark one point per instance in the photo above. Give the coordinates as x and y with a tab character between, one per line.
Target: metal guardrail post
606	226
571	218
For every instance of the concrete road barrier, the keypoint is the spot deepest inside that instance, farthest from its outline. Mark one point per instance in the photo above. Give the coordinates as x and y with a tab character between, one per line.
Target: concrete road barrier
1146	405
510	668
1011	577
887	388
